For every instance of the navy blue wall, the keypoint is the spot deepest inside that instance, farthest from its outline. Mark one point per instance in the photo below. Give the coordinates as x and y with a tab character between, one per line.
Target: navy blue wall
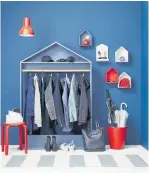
112	23
144	77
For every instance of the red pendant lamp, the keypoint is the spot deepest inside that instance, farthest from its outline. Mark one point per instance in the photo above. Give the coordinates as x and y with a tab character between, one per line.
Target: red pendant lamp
26	30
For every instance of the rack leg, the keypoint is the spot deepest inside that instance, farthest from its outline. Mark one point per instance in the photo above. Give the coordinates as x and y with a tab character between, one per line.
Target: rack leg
26	139
7	140
20	138
3	137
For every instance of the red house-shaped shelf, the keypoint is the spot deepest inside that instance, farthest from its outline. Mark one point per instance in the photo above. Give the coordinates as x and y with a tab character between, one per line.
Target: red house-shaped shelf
112	76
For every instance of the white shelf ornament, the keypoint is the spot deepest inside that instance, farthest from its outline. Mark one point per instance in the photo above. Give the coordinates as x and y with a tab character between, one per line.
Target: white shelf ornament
124	81
102	53
121	55
85	39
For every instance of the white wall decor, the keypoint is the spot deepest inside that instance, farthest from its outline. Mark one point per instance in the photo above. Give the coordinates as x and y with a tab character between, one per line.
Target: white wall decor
121	55
124	81
102	53
85	39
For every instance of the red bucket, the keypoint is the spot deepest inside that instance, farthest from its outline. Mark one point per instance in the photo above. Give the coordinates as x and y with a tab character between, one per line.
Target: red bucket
117	137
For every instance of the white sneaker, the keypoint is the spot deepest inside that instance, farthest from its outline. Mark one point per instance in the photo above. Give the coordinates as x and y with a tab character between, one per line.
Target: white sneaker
68	147
71	147
64	147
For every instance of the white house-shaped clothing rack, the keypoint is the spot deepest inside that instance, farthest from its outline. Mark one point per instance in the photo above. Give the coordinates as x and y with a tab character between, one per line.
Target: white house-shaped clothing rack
56	51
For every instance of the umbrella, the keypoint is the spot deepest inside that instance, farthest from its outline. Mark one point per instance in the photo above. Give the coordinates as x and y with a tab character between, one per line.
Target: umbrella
121	116
111	107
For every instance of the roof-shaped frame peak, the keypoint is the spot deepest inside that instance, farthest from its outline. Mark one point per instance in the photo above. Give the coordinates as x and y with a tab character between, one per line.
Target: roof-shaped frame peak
56	51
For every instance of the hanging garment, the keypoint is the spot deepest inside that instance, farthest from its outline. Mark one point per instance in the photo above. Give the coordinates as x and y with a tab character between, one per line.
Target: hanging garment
62	82
58	103
84	81
49	101
37	105
29	104
84	106
73	100
42	96
47	124
67	125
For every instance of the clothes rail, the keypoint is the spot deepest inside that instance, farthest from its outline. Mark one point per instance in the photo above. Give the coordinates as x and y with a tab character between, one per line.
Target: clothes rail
31	70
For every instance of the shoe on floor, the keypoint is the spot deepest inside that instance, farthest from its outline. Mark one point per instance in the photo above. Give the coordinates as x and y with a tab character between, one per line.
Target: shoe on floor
71	147
48	144
54	146
64	147
67	147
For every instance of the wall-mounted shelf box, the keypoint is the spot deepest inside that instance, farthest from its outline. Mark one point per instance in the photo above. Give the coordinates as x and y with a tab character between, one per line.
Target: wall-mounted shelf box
85	39
102	53
112	76
121	55
124	81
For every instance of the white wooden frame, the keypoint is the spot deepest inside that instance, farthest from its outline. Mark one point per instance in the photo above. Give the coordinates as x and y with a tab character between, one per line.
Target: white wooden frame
121	55
48	70
122	76
102	53
90	38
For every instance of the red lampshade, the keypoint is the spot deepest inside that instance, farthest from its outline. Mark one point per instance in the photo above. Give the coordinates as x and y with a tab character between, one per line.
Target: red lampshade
26	30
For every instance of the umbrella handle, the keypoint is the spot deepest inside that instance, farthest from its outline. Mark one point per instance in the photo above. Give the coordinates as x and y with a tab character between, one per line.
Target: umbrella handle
122	105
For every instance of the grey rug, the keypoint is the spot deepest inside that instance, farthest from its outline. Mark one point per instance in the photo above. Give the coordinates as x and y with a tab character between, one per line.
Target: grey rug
16	161
137	161
75	161
107	161
46	161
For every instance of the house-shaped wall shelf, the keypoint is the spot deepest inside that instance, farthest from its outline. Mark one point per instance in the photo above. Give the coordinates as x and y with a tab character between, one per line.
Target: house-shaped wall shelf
85	39
112	76
121	55
102	53
56	51
124	81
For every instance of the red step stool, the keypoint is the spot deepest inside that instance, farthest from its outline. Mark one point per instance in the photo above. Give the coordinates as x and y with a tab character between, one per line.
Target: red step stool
5	136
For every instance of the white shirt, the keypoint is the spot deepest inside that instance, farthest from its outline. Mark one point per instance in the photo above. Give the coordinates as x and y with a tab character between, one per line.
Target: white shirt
37	105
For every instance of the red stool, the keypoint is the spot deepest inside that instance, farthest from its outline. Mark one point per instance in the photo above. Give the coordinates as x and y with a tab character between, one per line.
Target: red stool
5	136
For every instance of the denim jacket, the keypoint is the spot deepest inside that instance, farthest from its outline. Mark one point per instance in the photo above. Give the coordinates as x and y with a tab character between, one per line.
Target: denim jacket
73	100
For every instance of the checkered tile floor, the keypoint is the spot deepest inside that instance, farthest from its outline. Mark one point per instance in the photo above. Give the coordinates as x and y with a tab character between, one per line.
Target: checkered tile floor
129	157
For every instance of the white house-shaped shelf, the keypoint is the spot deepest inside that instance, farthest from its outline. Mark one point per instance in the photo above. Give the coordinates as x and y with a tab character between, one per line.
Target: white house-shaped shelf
56	51
102	53
85	39
121	55
124	81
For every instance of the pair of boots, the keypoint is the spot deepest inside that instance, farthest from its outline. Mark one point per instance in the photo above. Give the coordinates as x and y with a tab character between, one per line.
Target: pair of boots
51	144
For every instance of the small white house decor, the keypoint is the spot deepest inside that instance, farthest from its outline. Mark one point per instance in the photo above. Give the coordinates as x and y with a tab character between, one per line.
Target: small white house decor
121	55
124	81
102	53
85	39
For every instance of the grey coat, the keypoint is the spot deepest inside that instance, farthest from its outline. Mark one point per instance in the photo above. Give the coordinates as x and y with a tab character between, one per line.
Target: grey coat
58	103
84	105
49	101
47	125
